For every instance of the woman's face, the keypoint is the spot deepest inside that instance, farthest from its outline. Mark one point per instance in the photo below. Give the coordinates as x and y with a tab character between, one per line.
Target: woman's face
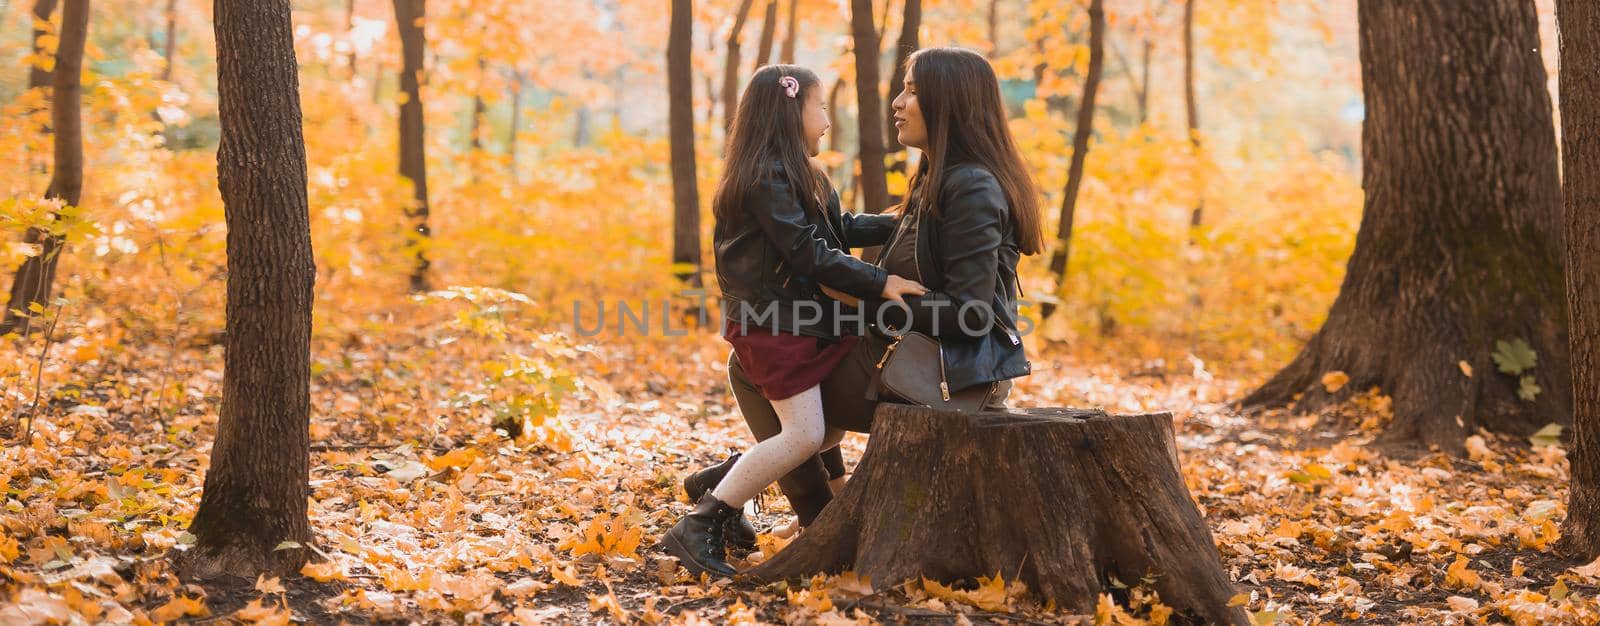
815	118
908	116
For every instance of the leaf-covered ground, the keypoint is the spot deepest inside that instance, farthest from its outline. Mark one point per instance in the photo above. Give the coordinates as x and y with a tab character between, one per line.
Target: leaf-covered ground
427	511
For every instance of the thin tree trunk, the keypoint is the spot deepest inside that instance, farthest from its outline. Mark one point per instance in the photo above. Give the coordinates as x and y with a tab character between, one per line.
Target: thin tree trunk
413	155
39	77
791	34
254	497
769	32
1459	251
1190	107
910	26
169	51
516	123
730	67
1579	22
30	289
994	28
1139	84
349	28
475	127
1080	150
869	105
680	120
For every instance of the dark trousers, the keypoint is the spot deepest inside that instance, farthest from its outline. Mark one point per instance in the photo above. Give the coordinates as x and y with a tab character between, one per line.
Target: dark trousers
844	405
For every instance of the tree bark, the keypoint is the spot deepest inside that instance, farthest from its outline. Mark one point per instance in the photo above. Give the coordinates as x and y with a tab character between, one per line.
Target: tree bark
1579	23
39	77
408	15
869	105
1460	239
910	26
169	49
1140	83
516	123
1063	499
680	120
35	278
1191	108
1080	149
791	33
769	32
730	66
255	491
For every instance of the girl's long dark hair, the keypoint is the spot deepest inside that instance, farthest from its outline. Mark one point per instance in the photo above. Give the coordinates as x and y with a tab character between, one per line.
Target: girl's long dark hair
966	118
770	126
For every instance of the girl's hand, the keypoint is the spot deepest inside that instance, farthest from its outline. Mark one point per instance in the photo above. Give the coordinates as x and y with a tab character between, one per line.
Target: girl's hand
898	286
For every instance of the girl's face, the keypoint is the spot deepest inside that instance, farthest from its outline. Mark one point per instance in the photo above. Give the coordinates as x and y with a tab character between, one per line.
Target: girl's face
815	119
912	131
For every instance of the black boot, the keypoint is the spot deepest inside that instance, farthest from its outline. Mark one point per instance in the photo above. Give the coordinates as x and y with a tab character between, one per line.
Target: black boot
697	538
740	533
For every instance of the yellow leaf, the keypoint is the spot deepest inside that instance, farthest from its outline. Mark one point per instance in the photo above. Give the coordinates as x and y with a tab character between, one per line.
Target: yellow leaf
1239	599
1465	368
457	458
1458	575
1334	381
256	613
322	572
811	599
268	585
179	607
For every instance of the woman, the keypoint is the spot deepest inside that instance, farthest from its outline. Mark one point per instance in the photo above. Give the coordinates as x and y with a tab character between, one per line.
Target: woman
971	213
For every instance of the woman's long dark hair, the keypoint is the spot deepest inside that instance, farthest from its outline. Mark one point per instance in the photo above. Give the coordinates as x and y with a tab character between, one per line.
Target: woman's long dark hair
770	126
966	118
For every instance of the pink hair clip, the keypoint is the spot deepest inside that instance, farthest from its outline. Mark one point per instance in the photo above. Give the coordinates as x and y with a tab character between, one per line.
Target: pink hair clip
791	86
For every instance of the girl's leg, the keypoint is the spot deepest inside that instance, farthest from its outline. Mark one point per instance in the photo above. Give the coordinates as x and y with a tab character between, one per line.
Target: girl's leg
802	435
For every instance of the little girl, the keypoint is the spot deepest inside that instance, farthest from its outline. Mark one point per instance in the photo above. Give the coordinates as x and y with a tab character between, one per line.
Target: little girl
779	238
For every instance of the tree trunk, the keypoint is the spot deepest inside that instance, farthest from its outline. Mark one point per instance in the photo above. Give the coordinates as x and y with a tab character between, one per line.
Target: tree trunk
1579	22
39	77
349	29
730	66
909	41
169	49
1062	499
255	492
408	15
1138	83
1460	240
35	278
516	123
769	32
479	109
1191	107
1080	150
791	33
994	28
680	120
869	107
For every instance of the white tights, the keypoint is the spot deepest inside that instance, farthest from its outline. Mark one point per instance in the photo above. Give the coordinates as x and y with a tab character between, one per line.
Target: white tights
804	434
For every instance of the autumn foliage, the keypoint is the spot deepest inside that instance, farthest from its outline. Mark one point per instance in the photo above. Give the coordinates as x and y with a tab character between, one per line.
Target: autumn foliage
477	456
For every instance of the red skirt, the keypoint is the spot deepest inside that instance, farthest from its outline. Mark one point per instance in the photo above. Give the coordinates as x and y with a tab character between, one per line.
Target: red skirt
782	365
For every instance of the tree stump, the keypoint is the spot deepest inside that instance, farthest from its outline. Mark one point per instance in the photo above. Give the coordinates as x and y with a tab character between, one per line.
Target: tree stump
1063	499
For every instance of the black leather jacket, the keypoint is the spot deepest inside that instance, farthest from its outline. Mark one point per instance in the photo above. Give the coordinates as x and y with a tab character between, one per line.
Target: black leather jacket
967	257
772	253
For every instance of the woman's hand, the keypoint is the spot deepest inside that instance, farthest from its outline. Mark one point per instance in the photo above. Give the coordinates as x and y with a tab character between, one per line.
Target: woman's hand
898	286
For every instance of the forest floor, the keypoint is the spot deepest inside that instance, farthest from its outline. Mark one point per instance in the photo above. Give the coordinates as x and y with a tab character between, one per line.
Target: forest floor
425	513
